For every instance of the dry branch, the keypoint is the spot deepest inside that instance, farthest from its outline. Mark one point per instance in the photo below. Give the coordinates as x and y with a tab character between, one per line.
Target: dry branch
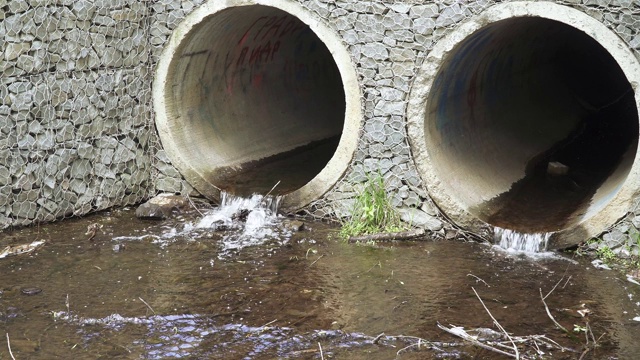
402	235
461	333
515	348
551	316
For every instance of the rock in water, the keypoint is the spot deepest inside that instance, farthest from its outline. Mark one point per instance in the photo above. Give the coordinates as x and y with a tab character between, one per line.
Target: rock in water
556	168
161	207
294	225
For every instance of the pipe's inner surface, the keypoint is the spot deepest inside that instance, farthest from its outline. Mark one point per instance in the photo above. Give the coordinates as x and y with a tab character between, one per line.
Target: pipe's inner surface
531	124
256	98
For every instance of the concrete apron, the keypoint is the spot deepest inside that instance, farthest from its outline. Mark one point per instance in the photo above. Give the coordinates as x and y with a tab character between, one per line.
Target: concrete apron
512	96
499	103
242	83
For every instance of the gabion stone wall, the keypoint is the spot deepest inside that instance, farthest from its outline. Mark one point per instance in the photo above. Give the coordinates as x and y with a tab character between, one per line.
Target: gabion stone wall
76	114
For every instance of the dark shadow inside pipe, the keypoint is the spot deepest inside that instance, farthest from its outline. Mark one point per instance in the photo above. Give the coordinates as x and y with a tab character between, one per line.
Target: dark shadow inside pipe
537	118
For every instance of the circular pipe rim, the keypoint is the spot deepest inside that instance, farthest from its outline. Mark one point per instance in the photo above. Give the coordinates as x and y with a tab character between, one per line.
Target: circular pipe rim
615	208
341	159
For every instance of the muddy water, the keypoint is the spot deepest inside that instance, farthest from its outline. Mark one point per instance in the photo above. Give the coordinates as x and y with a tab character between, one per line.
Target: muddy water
157	290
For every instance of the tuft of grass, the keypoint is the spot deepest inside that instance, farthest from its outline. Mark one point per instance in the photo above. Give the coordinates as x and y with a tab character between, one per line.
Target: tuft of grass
372	211
606	254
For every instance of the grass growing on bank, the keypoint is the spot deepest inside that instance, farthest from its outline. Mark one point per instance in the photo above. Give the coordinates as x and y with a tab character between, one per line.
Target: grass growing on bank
372	212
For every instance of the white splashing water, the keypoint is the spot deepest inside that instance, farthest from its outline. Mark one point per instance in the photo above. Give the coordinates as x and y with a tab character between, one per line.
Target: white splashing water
519	242
243	221
262	211
260	225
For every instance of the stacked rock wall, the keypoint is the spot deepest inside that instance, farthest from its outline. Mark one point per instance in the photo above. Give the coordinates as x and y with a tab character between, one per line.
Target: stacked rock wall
75	112
77	121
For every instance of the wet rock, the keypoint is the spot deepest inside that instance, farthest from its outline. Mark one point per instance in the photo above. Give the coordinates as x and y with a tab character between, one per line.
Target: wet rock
613	239
118	248
421	219
241	215
293	225
555	168
599	264
220	226
31	291
161	207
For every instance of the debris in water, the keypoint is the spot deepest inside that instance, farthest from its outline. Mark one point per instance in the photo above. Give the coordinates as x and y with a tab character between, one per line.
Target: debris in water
31	291
599	264
92	230
21	249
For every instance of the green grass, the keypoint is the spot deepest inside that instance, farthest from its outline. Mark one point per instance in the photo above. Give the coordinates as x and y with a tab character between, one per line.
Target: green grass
610	258
372	211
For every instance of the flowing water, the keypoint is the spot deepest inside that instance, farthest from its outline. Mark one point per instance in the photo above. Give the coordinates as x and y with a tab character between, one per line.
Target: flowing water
239	282
515	241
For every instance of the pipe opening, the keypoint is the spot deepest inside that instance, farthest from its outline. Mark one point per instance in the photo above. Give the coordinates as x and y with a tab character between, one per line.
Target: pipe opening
251	97
531	124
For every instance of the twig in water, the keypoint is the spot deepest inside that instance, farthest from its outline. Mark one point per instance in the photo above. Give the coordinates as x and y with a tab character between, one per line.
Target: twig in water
273	188
554	287
66	303
150	308
378	265
402	235
9	346
267	324
463	334
549	313
515	348
321	354
377	338
306	256
194	205
478	279
310	265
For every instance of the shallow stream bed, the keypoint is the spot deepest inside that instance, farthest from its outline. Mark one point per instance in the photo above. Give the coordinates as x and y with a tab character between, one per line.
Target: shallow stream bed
177	289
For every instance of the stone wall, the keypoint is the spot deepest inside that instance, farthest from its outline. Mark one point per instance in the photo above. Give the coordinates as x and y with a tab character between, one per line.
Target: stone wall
77	121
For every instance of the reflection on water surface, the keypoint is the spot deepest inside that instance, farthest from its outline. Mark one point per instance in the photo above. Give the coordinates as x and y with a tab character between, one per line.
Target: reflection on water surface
178	289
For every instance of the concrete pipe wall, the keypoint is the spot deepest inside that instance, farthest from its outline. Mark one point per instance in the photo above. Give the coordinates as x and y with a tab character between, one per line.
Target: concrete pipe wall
250	95
526	118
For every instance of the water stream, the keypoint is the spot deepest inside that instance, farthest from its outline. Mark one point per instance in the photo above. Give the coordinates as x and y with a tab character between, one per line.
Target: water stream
515	241
236	283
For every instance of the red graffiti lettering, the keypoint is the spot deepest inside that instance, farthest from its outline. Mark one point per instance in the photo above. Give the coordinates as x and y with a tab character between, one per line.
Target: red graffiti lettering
246	34
269	23
276	46
255	55
257	43
275	28
243	55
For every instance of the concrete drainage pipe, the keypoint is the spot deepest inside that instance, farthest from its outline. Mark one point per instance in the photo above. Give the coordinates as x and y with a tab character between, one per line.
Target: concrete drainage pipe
251	93
526	118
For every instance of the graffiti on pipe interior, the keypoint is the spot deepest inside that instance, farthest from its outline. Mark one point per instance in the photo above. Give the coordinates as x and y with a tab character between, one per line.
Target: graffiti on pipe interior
280	45
261	40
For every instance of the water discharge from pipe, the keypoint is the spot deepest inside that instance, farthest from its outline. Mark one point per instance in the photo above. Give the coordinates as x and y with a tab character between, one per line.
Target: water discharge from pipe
246	221
511	240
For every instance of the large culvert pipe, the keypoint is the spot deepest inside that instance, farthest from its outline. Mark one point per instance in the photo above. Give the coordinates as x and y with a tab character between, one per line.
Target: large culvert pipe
250	94
526	118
